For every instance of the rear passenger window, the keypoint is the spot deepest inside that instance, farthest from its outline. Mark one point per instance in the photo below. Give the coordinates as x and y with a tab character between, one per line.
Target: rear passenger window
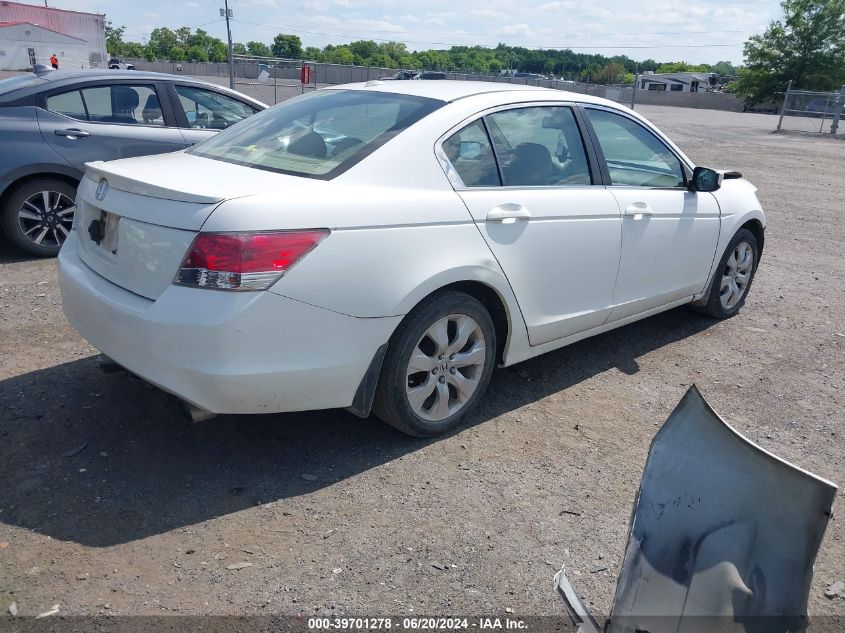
470	154
539	146
68	103
123	104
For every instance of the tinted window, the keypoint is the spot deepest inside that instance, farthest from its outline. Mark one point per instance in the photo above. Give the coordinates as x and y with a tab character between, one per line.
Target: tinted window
68	103
210	109
320	134
539	146
634	155
123	104
110	104
470	154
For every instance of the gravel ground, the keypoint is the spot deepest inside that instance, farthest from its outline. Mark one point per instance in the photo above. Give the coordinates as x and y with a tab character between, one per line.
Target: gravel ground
111	503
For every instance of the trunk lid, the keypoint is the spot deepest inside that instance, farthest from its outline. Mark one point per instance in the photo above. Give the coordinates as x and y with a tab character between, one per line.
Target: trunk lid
136	218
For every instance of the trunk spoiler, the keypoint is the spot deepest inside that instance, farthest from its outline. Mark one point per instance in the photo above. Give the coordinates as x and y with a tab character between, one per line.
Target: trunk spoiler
126	179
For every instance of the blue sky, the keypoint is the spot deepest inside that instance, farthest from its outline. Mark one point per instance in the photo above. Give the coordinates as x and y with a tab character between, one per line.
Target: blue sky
697	31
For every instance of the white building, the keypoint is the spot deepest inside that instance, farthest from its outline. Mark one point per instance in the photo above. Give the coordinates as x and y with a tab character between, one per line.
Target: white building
675	82
30	34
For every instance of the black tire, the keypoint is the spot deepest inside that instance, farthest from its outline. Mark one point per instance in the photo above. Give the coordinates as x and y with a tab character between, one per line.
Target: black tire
11	223
714	306
391	402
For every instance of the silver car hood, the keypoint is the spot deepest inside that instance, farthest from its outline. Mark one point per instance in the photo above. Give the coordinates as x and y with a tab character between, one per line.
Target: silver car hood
722	538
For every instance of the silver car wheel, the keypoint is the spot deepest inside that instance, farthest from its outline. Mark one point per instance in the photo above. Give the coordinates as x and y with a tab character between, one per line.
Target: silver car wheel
46	218
445	367
737	275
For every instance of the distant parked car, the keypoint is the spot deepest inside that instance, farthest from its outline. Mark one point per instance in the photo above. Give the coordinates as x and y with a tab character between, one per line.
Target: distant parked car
416	74
821	107
116	63
403	75
55	122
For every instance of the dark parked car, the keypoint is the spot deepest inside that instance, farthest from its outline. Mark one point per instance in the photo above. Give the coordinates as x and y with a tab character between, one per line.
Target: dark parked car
52	123
416	74
822	107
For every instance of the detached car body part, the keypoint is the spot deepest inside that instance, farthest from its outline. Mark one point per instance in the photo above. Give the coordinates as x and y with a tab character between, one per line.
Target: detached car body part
722	538
387	244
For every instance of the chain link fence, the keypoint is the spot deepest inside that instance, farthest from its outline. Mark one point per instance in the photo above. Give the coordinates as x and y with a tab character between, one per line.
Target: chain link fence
273	80
812	112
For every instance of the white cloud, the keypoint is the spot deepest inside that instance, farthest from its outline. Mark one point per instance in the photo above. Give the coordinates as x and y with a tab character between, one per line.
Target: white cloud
662	24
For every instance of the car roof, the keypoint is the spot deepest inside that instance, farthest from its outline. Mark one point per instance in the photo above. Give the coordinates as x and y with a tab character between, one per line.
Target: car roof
60	78
452	90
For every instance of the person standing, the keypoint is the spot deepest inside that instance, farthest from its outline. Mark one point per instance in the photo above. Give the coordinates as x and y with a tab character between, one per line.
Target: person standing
54	61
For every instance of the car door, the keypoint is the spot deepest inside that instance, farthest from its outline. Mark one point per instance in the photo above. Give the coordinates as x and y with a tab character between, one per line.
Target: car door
107	121
203	112
669	233
526	176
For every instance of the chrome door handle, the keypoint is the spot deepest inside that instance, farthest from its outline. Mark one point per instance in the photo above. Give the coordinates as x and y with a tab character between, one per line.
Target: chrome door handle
508	213
73	133
638	209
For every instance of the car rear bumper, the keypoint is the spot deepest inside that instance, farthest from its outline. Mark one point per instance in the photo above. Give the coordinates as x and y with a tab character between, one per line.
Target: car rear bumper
226	352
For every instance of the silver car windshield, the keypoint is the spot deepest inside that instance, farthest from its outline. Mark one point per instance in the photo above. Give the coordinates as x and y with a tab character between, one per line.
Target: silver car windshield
318	135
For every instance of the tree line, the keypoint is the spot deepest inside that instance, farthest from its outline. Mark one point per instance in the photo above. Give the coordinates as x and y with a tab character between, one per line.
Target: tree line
806	45
185	44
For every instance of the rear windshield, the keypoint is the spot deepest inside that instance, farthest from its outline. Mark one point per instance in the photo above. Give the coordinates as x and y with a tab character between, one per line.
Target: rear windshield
318	135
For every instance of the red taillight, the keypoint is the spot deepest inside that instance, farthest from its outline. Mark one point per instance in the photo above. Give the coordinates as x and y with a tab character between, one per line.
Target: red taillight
244	261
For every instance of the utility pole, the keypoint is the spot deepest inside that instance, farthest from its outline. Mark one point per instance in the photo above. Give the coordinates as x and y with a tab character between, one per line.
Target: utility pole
227	12
634	90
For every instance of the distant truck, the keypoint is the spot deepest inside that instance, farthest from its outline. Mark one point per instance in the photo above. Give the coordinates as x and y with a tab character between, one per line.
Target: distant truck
117	63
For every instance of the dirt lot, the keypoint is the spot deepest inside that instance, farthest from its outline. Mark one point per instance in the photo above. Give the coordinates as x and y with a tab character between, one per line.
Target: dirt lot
111	503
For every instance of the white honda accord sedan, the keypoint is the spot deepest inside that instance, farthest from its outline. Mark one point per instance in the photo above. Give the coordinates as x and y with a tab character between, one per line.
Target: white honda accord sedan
383	246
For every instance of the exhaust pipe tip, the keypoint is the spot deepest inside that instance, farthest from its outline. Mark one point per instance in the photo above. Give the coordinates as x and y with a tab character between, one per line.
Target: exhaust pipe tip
194	413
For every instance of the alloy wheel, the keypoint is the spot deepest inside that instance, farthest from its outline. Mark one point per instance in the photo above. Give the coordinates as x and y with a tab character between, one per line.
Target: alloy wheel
737	275
445	367
46	218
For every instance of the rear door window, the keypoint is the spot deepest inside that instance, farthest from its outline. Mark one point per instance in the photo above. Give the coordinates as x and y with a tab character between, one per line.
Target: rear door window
539	146
118	103
123	104
470	153
68	103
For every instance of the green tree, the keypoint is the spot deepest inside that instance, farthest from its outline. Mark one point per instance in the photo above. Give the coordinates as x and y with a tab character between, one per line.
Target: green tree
807	46
287	46
723	68
258	49
162	40
197	54
312	53
338	54
114	38
365	49
610	73
683	67
238	49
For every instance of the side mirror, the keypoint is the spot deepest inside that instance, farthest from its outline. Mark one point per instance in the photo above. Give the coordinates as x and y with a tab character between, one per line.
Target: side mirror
470	150
704	179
